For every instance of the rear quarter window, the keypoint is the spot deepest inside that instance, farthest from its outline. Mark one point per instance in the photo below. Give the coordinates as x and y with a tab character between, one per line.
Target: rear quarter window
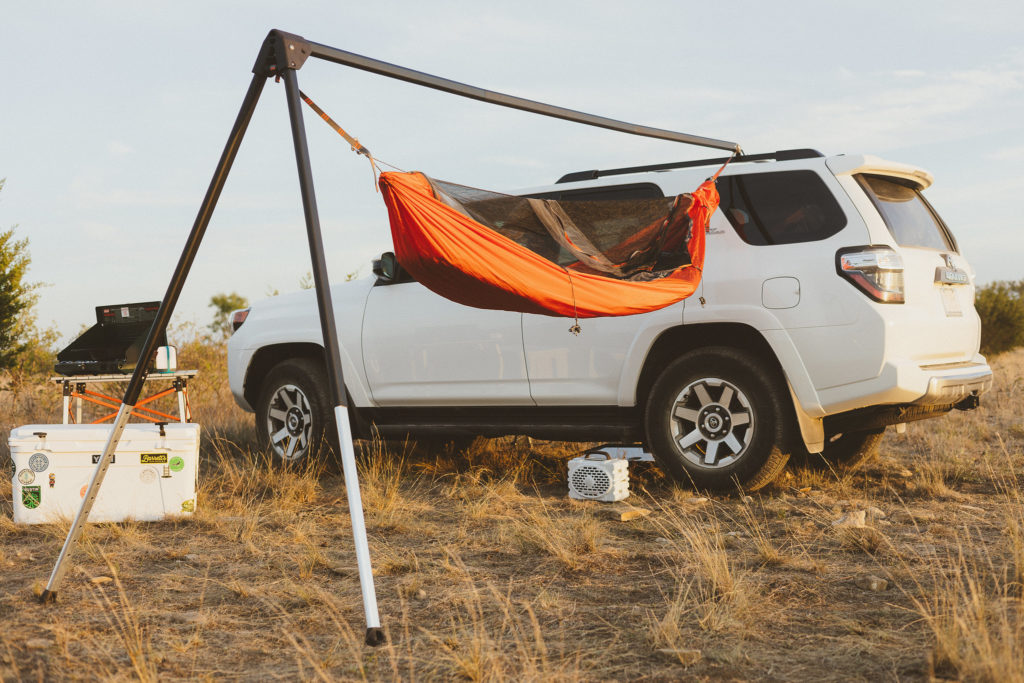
783	207
909	217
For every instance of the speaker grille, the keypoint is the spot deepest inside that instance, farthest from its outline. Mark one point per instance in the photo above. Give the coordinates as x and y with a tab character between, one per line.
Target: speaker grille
590	481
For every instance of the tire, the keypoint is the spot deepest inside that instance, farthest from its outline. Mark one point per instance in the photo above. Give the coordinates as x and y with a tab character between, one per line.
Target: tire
715	419
847	453
294	416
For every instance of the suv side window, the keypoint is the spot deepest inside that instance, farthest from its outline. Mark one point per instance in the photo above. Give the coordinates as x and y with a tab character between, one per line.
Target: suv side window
608	192
785	207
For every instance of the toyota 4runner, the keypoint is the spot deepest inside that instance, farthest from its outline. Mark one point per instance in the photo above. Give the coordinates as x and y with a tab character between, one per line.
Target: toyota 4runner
835	302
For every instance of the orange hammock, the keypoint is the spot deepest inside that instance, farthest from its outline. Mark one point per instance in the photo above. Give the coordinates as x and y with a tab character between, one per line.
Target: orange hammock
444	246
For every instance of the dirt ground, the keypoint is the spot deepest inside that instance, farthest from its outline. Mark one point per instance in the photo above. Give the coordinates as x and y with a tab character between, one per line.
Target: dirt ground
910	568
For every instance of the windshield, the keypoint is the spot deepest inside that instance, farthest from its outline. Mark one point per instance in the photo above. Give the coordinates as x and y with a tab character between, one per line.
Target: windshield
909	217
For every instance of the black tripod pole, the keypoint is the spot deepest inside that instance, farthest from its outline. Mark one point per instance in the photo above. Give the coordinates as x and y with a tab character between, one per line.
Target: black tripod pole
374	634
163	315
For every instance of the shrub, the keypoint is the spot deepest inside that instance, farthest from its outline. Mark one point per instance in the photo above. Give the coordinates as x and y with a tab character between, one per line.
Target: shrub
17	296
1001	307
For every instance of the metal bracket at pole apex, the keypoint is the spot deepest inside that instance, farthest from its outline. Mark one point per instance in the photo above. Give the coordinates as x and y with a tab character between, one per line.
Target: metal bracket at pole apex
281	51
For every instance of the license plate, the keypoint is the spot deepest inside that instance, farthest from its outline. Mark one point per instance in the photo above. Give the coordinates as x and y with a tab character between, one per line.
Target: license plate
951	302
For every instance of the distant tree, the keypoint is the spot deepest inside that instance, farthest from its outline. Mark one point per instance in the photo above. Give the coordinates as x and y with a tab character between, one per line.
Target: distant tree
17	297
1000	306
223	304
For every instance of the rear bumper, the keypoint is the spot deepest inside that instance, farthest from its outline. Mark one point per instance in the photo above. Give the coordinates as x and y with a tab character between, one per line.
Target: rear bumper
947	386
911	383
957	383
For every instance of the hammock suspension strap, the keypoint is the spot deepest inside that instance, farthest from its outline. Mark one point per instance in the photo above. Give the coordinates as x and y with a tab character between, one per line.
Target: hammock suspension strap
356	146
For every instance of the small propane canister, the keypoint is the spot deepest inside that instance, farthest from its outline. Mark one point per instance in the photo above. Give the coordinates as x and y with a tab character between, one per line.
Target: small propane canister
166	359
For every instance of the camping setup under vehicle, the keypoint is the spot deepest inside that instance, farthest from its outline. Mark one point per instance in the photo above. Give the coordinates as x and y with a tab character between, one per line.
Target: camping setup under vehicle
661	250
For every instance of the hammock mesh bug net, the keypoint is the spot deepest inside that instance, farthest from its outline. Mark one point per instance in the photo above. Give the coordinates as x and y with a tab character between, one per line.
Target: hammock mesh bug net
564	257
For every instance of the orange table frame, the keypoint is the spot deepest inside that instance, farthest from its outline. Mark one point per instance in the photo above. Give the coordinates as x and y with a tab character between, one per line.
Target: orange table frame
74	388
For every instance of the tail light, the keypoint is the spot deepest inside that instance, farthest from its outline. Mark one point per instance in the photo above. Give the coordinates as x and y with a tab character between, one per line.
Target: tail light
237	318
876	271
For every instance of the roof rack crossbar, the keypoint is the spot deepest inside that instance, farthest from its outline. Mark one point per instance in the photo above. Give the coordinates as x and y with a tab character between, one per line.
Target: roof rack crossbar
781	155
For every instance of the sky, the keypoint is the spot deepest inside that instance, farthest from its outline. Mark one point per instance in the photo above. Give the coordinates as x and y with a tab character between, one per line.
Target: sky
113	116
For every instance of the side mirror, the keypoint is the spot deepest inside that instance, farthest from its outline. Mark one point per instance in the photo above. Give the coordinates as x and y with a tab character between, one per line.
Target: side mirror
386	267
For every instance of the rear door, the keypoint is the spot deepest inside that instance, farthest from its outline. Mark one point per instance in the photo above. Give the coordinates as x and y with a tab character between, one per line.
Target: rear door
587	369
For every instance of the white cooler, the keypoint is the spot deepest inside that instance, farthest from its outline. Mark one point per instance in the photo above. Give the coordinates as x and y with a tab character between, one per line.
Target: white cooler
153	474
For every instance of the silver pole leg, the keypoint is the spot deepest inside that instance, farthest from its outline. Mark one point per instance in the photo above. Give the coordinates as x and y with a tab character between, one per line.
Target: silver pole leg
355	510
123	414
182	417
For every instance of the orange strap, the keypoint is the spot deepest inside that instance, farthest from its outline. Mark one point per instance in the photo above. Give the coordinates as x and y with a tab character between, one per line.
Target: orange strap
719	171
357	146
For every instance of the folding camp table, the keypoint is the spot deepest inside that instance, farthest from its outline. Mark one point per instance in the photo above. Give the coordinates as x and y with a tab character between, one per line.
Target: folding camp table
74	388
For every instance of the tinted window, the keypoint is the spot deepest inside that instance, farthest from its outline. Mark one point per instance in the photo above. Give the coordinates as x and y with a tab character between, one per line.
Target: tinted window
784	207
609	192
908	216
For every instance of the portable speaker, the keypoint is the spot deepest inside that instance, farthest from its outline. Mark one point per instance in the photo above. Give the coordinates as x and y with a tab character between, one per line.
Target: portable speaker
595	476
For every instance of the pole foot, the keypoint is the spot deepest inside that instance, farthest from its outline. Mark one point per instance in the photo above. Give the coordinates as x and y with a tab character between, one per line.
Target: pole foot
374	636
48	596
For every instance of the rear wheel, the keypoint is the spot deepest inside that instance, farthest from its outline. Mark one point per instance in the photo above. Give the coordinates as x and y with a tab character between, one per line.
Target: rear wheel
715	419
293	414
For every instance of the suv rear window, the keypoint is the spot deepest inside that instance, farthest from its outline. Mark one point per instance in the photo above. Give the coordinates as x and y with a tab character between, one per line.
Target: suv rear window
909	217
785	207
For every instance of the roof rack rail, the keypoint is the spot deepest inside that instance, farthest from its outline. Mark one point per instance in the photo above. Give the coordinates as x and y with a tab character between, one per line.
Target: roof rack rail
781	155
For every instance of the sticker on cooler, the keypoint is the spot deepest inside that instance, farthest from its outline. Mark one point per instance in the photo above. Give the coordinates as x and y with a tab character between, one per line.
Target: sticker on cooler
31	496
38	462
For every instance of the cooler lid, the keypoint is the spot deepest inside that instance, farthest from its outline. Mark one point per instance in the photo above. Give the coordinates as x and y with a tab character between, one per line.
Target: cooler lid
88	437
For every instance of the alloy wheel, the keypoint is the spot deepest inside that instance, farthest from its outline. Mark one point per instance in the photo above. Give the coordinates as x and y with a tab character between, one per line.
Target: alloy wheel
712	422
289	422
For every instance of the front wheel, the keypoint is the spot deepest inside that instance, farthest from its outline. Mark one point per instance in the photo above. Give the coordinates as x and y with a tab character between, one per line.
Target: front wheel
293	414
714	418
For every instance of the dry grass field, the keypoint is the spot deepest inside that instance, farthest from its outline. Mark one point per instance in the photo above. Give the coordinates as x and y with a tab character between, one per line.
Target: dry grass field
486	570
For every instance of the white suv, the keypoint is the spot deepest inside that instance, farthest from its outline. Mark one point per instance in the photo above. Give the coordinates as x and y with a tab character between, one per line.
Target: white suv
834	302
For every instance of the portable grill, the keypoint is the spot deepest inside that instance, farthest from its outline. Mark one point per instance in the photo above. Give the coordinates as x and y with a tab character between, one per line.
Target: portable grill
113	345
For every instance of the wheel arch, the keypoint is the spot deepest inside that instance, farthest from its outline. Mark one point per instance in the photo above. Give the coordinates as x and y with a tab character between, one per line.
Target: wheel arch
675	341
267	357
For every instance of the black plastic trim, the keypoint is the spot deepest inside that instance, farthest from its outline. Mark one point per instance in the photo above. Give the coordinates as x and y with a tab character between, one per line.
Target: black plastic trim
563	423
873	417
